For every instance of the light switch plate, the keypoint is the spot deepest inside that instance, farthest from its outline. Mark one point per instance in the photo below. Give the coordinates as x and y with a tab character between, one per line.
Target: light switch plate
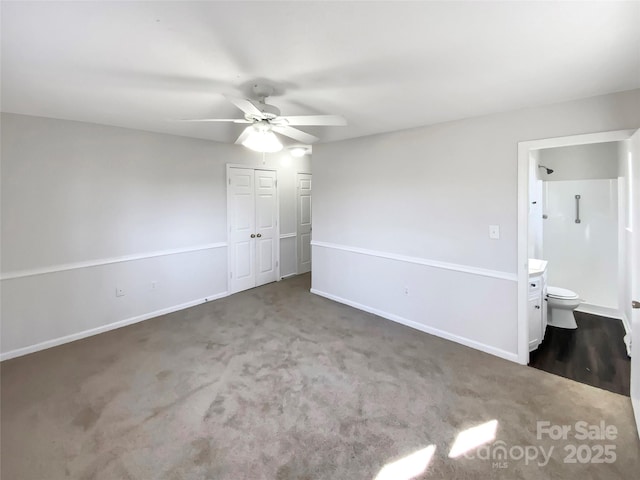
494	232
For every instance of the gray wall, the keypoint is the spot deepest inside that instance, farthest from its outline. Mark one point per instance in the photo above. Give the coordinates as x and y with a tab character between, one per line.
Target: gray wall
86	208
580	162
408	208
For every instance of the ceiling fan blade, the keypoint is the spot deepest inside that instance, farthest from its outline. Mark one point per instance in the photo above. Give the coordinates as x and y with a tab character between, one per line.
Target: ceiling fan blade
232	120
245	105
328	120
294	133
244	135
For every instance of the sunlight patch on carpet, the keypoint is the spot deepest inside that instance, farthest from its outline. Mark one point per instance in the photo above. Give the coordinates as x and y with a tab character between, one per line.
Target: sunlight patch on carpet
473	437
407	467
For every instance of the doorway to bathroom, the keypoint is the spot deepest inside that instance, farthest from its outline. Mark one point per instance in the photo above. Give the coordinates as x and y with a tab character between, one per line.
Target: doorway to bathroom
574	227
575	252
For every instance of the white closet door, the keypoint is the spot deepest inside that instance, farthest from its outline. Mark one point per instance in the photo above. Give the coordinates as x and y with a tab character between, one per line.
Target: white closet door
266	227
304	222
252	207
241	211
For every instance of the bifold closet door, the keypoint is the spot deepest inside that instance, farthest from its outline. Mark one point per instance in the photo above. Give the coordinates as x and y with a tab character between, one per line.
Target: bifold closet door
252	210
242	224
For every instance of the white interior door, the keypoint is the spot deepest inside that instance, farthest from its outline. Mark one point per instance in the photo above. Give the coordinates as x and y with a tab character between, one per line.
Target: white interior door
266	227
635	273
252	209
304	222
241	212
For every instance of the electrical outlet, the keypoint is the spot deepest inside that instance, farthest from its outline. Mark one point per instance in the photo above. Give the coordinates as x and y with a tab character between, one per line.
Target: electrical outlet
406	290
494	232
154	285
119	292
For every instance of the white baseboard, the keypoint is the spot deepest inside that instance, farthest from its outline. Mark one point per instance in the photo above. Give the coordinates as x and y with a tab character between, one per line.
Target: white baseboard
599	310
288	275
423	328
18	352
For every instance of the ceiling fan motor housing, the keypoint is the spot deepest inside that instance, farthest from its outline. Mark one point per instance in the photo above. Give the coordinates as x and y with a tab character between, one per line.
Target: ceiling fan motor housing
269	112
262	90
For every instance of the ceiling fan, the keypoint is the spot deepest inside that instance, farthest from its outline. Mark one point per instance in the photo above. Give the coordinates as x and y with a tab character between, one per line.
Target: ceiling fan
265	119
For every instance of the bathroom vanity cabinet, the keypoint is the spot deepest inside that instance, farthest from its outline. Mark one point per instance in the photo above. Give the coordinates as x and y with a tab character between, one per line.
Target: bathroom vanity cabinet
537	309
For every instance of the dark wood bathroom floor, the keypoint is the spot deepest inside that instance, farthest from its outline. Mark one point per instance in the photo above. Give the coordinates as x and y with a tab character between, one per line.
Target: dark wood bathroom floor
594	354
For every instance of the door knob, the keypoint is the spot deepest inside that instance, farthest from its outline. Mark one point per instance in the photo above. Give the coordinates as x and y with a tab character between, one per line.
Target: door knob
635	304
259	235
253	235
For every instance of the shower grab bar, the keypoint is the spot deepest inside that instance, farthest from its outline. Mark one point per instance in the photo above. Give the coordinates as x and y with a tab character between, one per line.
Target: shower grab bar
577	208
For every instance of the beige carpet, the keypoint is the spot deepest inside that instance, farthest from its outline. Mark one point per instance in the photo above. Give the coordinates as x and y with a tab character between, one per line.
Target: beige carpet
276	383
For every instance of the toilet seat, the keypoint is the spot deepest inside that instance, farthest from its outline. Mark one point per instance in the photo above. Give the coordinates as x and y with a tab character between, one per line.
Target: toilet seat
561	293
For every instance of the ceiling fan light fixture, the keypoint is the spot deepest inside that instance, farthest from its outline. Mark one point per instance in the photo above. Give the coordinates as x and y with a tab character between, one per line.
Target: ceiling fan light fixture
298	151
264	141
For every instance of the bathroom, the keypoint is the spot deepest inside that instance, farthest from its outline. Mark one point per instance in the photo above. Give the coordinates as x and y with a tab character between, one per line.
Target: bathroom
579	219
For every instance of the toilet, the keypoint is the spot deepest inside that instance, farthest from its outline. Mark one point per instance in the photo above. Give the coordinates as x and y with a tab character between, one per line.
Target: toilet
561	303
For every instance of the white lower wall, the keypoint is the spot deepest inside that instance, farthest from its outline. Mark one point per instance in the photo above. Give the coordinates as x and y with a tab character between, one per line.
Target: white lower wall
444	300
43	310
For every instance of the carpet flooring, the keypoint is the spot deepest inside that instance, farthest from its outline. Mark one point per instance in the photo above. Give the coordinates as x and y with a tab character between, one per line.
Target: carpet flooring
277	383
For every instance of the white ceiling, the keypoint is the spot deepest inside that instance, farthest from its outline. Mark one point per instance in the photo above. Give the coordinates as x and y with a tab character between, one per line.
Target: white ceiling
383	65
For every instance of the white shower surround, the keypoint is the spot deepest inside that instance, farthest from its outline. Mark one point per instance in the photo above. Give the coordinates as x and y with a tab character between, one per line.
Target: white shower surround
583	257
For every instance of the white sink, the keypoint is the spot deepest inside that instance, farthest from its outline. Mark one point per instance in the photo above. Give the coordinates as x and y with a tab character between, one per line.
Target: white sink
537	267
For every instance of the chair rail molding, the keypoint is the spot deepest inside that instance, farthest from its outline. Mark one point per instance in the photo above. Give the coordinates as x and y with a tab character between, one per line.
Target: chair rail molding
106	261
485	272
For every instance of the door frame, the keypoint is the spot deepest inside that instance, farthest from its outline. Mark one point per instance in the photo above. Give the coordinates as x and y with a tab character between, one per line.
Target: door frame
228	168
523	217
